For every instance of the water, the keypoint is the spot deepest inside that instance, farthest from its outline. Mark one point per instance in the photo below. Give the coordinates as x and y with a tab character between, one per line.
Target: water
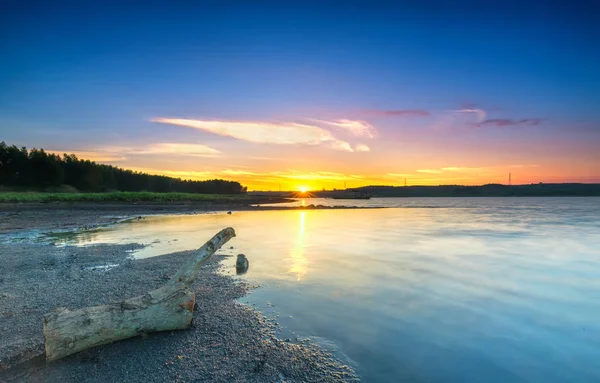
433	290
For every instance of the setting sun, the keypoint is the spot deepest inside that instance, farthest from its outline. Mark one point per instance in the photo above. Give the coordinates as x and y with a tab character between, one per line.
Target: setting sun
303	189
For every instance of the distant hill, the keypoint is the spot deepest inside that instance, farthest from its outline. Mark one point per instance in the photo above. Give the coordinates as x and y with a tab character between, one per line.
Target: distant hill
490	190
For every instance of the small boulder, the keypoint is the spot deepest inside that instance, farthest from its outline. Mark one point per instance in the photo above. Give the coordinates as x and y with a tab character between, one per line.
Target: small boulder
241	264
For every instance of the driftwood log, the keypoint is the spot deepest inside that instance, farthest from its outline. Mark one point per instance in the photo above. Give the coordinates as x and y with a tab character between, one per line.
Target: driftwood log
167	308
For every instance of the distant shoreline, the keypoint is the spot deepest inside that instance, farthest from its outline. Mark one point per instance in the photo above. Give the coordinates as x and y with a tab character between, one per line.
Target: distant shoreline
490	190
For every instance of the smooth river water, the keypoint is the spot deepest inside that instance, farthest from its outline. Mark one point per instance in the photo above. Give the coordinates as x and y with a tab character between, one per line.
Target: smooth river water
430	290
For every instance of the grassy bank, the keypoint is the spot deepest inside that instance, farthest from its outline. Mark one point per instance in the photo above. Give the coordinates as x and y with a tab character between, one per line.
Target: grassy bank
119	197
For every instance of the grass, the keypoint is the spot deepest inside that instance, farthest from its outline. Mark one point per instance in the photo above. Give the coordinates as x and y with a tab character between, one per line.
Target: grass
118	197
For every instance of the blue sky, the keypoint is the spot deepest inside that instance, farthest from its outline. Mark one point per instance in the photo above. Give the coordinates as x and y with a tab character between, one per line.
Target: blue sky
487	77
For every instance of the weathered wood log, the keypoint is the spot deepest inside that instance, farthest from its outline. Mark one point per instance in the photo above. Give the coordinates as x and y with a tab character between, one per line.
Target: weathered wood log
167	308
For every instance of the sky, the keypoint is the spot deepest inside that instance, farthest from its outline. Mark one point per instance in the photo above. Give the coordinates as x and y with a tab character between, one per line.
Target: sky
285	95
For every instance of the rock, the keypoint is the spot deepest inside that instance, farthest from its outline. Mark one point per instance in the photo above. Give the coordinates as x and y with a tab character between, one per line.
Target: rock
242	264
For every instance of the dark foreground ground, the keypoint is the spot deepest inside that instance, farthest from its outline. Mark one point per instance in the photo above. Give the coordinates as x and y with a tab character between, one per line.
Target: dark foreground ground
228	341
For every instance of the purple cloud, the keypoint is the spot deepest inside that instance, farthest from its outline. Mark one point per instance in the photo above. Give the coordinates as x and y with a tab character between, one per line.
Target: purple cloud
397	112
509	122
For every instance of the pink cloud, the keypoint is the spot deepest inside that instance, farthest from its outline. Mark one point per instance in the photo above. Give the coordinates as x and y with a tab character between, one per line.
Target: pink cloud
509	122
357	128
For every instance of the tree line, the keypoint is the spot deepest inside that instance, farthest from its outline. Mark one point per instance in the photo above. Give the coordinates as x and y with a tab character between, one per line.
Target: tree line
36	169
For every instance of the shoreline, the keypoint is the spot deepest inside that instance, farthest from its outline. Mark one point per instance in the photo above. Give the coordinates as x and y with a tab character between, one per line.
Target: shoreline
228	341
15	217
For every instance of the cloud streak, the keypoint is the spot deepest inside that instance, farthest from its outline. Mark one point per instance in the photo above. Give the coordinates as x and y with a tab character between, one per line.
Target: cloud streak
286	133
480	113
464	169
500	122
460	169
197	150
121	153
312	176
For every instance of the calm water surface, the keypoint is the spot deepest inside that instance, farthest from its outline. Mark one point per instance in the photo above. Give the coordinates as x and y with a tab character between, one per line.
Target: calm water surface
432	290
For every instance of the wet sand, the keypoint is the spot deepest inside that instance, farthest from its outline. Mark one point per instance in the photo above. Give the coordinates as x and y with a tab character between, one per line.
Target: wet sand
227	342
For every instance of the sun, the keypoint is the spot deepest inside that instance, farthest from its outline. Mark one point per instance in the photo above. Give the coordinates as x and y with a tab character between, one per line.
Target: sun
303	192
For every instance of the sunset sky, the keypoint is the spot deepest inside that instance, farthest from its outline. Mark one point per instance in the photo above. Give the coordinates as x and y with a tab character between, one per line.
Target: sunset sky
281	95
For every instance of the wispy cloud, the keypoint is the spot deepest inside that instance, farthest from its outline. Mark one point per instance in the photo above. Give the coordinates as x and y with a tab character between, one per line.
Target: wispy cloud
121	153
481	119
466	169
509	122
397	113
268	133
340	145
198	150
231	172
185	174
480	113
452	120
355	127
362	148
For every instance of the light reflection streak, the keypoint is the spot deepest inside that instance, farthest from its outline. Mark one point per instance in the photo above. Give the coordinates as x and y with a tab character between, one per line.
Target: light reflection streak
299	262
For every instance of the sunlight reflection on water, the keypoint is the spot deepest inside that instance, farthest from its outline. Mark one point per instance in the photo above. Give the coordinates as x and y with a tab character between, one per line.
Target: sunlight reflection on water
299	263
469	290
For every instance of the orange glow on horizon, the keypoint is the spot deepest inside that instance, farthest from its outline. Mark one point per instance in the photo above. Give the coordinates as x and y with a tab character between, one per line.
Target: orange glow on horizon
266	175
280	181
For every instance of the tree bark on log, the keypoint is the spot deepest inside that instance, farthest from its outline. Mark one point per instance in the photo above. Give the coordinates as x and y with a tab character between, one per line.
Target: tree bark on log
167	308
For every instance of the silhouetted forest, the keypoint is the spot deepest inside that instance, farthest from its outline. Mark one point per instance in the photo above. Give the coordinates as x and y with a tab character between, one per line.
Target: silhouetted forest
36	169
489	190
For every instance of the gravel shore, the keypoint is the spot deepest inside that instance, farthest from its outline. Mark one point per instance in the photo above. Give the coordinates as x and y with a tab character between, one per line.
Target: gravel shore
227	342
